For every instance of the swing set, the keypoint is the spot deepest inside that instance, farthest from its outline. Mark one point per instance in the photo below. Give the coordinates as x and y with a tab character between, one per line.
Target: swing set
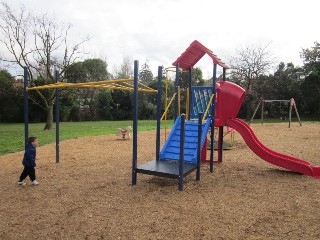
263	101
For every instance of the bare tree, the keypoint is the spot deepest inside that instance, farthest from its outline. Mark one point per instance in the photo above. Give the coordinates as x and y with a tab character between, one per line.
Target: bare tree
247	65
125	70
40	44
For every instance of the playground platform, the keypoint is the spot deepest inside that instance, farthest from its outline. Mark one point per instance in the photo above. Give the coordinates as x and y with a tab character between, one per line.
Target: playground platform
166	168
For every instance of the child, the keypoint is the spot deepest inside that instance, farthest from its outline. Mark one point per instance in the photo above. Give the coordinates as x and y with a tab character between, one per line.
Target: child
29	162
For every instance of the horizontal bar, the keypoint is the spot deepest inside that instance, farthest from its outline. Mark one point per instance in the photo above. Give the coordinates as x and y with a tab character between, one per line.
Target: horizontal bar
101	84
79	84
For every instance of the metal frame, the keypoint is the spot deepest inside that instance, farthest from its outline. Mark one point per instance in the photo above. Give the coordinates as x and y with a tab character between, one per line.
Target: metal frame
158	113
199	146
135	124
220	139
111	84
190	93
176	83
263	101
25	104
57	119
214	91
181	160
120	84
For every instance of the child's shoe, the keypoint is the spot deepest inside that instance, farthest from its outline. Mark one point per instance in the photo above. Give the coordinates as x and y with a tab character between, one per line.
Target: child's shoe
22	183
35	182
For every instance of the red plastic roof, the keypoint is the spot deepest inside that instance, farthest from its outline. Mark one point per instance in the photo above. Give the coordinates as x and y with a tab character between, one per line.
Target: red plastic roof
194	53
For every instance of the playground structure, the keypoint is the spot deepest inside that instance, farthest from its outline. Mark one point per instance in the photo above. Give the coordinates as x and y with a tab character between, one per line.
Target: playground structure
214	106
118	84
182	151
291	103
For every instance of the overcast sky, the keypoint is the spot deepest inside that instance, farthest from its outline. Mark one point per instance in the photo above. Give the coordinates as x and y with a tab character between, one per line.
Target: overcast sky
160	30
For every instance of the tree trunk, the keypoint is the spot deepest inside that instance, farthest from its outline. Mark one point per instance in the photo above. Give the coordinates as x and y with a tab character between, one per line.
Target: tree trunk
249	100
49	120
249	111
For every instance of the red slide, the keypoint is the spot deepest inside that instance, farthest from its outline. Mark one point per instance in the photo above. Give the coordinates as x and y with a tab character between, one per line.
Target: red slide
278	159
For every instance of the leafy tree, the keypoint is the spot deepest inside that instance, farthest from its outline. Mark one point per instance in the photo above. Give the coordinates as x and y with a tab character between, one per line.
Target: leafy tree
10	99
284	84
42	45
311	85
197	77
6	82
311	93
146	109
145	74
288	81
76	73
122	100
103	102
121	105
89	70
311	58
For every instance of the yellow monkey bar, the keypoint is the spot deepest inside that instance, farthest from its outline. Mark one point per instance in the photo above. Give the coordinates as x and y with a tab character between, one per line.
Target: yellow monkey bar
119	84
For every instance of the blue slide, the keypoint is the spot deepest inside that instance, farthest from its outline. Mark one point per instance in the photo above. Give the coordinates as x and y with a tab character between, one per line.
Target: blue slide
171	149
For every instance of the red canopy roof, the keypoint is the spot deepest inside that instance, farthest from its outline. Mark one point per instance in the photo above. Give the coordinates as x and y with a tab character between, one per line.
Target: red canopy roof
194	53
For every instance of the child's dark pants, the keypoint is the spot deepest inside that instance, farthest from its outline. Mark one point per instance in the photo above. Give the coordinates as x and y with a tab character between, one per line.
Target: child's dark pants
28	171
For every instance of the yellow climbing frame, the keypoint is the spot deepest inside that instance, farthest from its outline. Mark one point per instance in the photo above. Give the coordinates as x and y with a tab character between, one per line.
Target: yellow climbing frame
208	107
118	84
167	105
167	108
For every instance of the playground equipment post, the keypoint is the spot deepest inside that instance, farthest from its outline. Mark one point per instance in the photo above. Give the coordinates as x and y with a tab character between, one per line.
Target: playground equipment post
213	103
135	123
176	83
199	146
181	160
158	113
57	119
25	104
189	85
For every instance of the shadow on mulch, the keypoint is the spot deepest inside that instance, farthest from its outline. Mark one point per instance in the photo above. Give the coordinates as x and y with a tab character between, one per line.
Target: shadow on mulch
282	172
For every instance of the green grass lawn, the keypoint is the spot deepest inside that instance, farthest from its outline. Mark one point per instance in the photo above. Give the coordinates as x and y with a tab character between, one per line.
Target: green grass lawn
12	134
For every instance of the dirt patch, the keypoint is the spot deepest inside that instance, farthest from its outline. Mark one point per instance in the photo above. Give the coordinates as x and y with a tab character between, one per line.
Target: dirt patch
89	194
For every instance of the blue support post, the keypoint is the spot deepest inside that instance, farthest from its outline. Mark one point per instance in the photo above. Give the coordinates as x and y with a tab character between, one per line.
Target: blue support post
199	146
25	104
57	103
214	91
181	159
176	83
190	93
158	113
135	124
